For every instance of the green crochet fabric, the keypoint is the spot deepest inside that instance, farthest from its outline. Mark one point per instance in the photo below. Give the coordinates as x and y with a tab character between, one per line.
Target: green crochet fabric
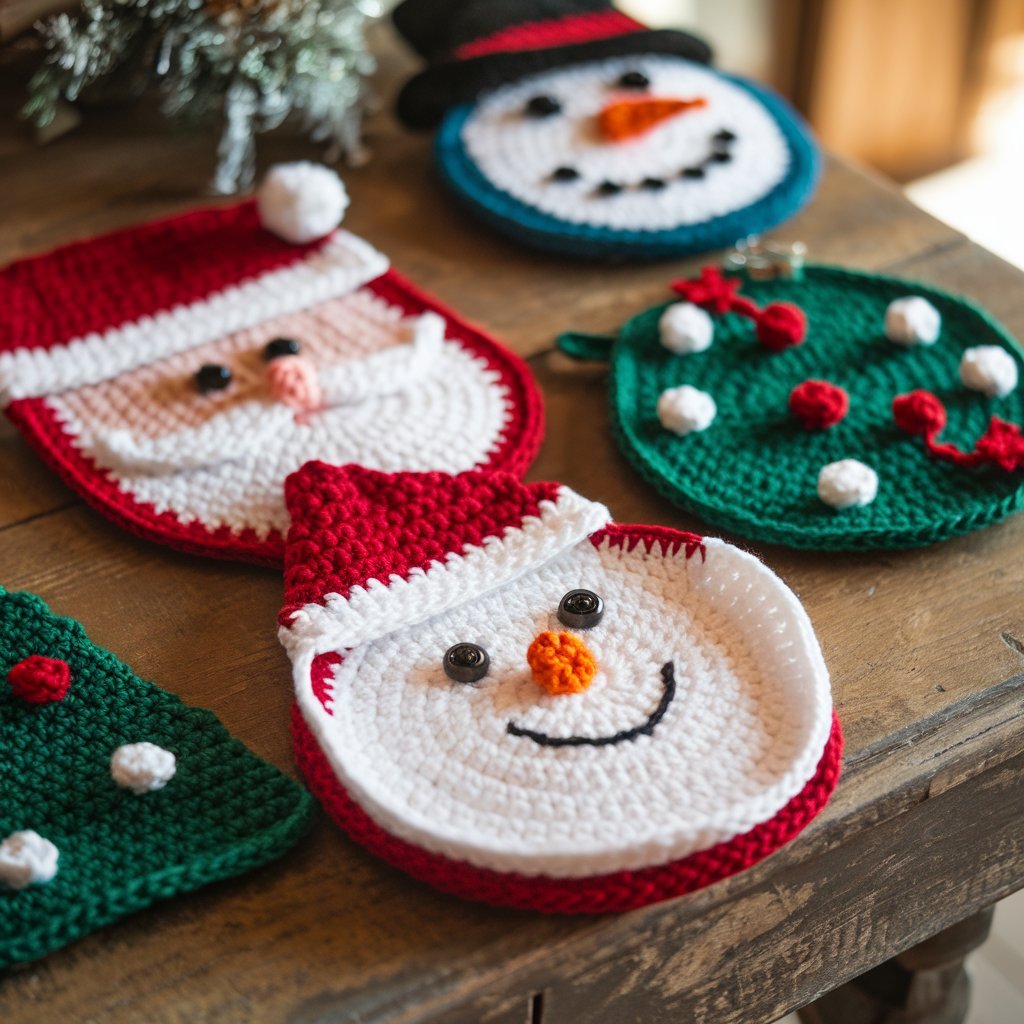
223	812
754	470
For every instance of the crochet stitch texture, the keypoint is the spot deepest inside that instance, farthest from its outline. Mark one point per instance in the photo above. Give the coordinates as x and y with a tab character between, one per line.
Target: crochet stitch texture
101	340
224	812
754	470
684	733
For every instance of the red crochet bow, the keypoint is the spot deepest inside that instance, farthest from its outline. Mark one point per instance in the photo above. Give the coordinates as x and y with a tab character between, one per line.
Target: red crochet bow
921	413
779	325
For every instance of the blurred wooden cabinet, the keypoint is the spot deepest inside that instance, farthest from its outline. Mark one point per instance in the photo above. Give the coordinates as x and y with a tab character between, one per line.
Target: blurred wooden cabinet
899	84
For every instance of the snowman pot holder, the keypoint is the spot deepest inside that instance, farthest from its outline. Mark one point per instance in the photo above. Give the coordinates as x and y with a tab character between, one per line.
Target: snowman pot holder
571	127
175	373
819	407
114	794
510	697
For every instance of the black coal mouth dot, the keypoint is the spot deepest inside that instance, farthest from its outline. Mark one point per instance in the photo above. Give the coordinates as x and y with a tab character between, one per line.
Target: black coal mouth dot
668	682
719	152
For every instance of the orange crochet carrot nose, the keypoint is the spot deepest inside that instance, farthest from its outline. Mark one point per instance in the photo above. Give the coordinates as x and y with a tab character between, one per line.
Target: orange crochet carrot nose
626	119
561	663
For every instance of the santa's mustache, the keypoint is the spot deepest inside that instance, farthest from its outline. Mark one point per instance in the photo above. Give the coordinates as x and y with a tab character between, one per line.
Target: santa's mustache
246	427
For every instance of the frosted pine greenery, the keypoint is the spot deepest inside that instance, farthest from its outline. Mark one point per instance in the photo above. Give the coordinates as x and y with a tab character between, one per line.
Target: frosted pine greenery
251	62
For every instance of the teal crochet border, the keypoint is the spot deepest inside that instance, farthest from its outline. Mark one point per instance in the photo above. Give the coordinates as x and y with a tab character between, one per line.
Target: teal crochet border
230	811
531	226
754	471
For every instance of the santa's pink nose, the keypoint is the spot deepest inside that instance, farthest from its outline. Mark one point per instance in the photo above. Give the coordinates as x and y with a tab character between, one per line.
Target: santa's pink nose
625	119
293	381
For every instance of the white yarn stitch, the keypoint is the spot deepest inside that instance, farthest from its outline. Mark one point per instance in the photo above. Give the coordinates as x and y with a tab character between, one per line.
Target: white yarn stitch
989	369
301	201
685	328
685	410
377	608
847	483
26	858
248	428
432	762
517	154
343	264
231	472
142	767
912	320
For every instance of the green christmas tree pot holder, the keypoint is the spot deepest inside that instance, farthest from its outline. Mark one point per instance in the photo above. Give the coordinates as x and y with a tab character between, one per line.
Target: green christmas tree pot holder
754	469
90	828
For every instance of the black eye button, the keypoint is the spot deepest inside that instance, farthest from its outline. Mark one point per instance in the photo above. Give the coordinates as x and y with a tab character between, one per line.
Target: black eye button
466	663
212	377
543	106
580	609
634	80
565	174
281	347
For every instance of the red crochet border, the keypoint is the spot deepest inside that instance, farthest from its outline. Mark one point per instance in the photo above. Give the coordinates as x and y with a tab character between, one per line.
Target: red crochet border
598	894
46	434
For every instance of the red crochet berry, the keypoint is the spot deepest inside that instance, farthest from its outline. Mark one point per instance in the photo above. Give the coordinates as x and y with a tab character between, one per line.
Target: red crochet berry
781	325
817	404
40	680
919	412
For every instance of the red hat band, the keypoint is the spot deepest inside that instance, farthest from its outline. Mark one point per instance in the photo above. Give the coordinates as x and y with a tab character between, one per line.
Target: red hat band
539	35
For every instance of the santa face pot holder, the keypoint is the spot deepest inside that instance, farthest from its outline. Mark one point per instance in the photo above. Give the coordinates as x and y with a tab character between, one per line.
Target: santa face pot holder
515	700
573	128
114	794
174	374
830	410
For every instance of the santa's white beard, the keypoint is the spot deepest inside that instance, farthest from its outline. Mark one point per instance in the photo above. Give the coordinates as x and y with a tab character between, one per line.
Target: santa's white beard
439	409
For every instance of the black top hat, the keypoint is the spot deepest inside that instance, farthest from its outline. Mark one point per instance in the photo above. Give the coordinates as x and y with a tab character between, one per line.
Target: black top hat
472	45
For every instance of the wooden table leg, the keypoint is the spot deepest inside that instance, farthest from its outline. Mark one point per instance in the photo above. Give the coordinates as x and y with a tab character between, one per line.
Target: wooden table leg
925	985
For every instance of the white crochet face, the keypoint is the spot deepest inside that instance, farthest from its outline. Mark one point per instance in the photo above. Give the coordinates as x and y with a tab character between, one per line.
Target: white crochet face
221	458
522	154
709	711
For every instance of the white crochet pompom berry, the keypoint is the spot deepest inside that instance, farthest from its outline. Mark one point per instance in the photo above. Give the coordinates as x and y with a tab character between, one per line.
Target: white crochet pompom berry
142	767
26	858
685	328
847	483
989	369
912	320
684	410
301	202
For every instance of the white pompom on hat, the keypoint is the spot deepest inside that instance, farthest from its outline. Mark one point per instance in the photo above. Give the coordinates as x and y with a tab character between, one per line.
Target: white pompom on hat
301	201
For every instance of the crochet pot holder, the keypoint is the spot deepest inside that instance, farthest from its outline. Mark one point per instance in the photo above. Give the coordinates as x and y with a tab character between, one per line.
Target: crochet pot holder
517	701
573	128
827	410
114	794
174	374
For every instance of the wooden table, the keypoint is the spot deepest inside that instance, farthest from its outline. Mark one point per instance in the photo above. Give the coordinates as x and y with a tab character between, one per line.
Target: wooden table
926	650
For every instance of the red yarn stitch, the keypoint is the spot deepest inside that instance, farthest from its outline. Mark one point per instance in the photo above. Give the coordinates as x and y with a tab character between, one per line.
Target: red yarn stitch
778	326
541	35
351	525
818	404
40	680
102	283
517	448
598	894
781	325
922	413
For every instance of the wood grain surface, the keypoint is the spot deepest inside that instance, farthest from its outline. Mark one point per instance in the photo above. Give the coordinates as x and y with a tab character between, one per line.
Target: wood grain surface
926	649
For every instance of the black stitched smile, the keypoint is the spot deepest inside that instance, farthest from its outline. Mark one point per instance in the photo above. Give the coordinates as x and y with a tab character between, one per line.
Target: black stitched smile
668	679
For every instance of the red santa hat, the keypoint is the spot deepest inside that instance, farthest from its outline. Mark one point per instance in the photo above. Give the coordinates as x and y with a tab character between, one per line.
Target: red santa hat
95	309
371	552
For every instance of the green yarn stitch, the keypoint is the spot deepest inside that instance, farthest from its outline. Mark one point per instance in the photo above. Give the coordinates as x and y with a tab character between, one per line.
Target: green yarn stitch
225	810
754	470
